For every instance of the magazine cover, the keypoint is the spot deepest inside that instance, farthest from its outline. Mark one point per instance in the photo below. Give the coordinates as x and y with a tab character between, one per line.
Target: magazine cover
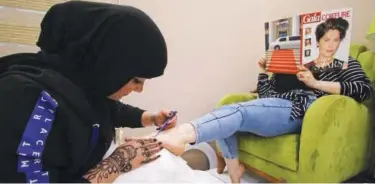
326	38
302	39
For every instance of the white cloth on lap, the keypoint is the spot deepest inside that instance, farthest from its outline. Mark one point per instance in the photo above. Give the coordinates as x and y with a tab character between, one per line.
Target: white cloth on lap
167	169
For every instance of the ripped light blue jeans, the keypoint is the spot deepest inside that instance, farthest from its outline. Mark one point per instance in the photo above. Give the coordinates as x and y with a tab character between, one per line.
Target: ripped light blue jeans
265	117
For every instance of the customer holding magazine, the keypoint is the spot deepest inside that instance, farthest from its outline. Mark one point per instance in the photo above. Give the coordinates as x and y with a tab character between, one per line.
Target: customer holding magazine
273	114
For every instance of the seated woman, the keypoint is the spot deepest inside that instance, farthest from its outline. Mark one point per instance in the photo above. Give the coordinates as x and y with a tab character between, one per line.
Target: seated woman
273	114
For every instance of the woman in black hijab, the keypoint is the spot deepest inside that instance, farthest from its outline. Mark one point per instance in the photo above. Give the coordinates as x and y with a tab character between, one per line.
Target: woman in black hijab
59	107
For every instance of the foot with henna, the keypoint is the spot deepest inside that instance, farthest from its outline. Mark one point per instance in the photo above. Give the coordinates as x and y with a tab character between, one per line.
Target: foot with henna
176	139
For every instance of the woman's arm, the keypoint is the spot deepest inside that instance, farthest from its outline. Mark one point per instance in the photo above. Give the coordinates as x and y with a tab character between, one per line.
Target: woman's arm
133	117
127	115
148	119
105	172
264	84
354	82
328	87
127	157
17	104
120	161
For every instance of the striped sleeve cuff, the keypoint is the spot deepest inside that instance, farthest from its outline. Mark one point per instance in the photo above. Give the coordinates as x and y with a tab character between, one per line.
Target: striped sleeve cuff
358	90
344	88
263	76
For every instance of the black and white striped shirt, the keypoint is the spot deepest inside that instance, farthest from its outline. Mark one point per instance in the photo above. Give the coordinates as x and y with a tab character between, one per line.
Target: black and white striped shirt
353	81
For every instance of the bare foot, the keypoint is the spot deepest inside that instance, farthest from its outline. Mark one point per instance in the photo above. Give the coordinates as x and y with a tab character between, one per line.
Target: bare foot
237	174
170	141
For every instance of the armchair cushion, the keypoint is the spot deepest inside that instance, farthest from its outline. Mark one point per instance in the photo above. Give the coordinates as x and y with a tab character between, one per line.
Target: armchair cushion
281	150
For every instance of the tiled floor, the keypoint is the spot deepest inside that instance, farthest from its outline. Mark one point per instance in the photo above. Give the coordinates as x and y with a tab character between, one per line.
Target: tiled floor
247	178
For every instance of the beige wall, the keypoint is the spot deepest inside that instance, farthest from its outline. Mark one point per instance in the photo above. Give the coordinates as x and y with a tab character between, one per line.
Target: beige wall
213	44
20	23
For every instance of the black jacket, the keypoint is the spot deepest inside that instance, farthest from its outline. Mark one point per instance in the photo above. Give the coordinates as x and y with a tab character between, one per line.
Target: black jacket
66	153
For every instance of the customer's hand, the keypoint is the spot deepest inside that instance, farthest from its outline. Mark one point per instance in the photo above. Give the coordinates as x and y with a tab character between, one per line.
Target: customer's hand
136	152
262	65
306	76
162	116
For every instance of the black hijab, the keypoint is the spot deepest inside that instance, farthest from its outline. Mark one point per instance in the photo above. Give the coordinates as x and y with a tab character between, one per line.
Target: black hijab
100	47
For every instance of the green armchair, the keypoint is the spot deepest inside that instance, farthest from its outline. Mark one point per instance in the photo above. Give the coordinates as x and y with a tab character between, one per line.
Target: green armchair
332	146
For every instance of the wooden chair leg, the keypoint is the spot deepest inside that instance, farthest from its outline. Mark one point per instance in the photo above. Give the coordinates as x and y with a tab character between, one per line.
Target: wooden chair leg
221	164
263	175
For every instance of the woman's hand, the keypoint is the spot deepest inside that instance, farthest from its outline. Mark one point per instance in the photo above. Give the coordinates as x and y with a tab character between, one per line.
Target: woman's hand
128	156
306	76
136	152
162	116
157	119
262	65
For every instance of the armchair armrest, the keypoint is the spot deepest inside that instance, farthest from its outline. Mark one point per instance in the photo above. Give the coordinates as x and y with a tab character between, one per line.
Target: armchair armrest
235	98
334	140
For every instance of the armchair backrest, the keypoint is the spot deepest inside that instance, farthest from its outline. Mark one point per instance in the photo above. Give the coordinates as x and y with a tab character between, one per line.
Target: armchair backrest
356	49
367	60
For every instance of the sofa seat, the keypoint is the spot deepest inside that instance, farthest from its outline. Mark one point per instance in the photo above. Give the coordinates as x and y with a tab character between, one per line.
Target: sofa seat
282	150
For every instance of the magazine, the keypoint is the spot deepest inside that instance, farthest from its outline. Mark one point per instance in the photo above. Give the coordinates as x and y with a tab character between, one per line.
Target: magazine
309	39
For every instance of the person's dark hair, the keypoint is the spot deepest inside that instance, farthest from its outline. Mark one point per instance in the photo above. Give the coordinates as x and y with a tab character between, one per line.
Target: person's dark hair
339	24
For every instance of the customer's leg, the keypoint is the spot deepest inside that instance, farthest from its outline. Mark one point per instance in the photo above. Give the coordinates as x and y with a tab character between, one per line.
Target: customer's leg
264	117
255	113
229	147
206	128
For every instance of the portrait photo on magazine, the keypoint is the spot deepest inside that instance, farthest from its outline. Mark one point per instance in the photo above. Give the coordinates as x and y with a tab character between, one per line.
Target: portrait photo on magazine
327	36
318	40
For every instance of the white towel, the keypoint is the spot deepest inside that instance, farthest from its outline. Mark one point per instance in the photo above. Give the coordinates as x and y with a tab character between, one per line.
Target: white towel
167	169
